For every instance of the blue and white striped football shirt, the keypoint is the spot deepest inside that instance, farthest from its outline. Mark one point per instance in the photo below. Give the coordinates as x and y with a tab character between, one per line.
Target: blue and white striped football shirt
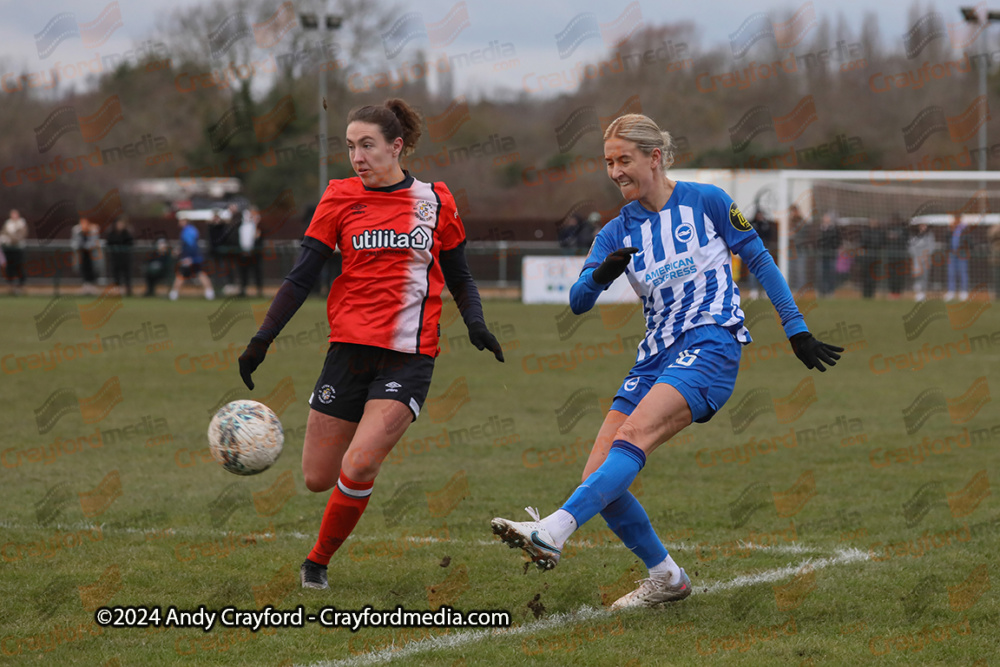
683	271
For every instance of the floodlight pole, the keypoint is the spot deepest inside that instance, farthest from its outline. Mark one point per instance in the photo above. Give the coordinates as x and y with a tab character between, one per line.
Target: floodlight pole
323	176
981	17
982	95
983	112
323	23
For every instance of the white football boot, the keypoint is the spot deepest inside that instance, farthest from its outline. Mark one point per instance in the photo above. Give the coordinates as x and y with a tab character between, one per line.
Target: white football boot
653	591
531	536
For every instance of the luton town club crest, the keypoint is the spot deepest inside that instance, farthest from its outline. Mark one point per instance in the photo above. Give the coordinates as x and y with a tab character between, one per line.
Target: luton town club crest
424	210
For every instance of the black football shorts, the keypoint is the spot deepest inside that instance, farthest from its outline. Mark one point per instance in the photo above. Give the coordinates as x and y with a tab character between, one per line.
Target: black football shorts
354	374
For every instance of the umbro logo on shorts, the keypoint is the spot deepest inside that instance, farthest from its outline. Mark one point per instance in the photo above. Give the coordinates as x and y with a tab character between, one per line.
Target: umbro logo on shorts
393	386
418	239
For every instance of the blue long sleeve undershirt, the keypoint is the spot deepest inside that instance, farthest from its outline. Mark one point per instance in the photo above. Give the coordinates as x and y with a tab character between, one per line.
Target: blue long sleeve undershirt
584	292
583	295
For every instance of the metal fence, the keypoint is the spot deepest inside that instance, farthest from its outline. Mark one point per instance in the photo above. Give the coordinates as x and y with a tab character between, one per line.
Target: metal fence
53	265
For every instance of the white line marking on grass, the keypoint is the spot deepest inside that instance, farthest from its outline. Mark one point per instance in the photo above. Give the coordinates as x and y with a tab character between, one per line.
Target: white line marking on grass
588	544
842	556
584	614
389	654
798	548
194	531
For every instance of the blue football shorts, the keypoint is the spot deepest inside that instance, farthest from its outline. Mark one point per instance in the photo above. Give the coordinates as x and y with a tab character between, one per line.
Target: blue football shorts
701	364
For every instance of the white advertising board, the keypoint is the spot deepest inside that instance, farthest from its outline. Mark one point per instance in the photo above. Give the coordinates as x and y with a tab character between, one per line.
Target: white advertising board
548	280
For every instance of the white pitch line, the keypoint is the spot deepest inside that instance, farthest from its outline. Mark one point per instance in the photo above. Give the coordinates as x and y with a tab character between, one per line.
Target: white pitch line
386	655
589	544
843	556
194	531
160	531
583	614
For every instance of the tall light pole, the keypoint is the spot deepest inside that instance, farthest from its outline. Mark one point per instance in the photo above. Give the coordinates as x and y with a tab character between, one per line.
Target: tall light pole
979	16
330	22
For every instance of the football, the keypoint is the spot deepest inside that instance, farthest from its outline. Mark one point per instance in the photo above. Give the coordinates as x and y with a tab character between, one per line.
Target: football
245	437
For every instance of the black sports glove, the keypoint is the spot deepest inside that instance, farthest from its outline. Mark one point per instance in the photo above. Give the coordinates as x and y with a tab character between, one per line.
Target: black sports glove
252	358
482	338
814	353
613	265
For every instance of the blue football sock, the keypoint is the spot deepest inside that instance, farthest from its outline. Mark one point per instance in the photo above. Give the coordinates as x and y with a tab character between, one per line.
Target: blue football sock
629	521
607	483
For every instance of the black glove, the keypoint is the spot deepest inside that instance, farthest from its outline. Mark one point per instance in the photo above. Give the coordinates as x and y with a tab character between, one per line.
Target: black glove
252	358
482	338
814	353
613	266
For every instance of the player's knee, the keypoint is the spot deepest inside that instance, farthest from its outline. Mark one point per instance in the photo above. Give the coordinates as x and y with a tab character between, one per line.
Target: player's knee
318	482
628	432
361	466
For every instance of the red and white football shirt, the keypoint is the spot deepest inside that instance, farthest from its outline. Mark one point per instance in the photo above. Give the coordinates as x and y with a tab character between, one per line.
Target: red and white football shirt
389	292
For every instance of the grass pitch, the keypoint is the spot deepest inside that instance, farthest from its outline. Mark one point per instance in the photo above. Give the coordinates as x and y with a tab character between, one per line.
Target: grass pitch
825	519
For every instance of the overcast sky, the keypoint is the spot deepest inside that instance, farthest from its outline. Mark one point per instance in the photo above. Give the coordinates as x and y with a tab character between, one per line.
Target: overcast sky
531	26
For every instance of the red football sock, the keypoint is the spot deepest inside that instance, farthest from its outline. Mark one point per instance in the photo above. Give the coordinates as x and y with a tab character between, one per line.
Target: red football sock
347	501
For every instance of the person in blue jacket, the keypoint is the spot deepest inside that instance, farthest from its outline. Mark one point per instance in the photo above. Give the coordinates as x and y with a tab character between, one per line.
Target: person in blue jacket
673	241
190	261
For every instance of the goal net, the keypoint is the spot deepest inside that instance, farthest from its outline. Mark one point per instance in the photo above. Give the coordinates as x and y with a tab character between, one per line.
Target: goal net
892	234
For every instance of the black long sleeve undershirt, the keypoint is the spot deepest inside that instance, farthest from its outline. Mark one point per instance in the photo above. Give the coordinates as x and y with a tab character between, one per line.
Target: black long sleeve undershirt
295	289
458	278
299	282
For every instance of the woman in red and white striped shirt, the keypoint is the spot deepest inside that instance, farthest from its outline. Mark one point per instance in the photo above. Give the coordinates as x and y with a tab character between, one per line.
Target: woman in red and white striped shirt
402	241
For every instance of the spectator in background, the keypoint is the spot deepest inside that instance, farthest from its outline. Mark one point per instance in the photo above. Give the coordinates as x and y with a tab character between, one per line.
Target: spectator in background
768	233
872	246
568	231
595	224
827	244
190	261
250	245
157	266
220	232
231	247
586	230
12	237
120	241
802	246
993	236
895	255
959	250
86	243
921	247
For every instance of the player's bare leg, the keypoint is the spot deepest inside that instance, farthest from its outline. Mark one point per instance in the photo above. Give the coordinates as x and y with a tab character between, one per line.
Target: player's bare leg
383	424
326	442
660	415
352	468
602	444
327	439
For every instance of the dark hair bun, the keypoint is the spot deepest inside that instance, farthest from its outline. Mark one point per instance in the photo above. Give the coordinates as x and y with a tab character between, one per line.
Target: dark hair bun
409	120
